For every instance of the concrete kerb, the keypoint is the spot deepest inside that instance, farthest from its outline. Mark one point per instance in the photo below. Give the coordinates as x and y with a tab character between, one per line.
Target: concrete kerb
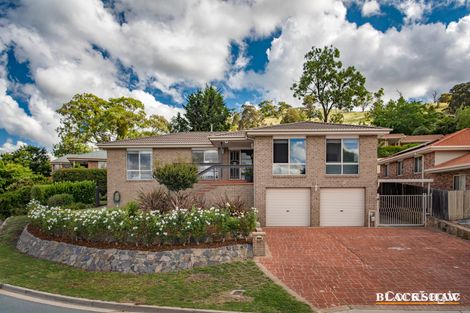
127	307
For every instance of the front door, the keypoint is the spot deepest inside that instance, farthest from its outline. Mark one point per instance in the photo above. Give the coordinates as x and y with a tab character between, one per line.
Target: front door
235	160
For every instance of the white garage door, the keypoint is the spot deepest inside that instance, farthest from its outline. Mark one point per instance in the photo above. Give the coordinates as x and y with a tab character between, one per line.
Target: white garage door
288	207
342	207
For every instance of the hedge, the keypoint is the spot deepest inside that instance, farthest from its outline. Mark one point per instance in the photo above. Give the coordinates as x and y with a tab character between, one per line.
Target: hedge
14	202
83	191
386	151
97	175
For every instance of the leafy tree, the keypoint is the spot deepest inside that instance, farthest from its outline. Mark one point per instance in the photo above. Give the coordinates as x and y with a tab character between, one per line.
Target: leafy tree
337	117
282	108
268	109
463	117
445	98
446	124
310	111
235	121
292	115
422	130
460	96
70	145
404	116
156	125
179	124
14	176
88	119
176	176
331	85
34	158
250	117
206	109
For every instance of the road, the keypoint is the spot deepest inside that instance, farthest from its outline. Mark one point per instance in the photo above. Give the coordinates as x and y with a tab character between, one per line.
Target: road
15	305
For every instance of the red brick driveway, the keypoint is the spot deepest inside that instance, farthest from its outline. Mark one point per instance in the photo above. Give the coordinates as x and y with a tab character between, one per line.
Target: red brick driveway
347	266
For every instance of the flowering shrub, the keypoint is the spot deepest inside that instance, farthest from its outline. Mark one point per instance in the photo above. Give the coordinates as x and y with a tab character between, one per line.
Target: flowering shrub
179	226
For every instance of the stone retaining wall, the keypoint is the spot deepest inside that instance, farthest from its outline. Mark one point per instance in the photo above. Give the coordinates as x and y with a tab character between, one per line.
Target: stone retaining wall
448	227
129	261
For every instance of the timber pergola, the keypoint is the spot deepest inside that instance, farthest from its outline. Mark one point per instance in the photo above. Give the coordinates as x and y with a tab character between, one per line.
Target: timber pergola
423	181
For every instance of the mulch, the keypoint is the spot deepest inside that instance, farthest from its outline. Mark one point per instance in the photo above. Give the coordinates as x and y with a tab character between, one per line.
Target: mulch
126	246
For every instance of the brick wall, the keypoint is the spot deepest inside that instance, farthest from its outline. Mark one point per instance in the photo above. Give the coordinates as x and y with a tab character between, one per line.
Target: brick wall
445	181
315	174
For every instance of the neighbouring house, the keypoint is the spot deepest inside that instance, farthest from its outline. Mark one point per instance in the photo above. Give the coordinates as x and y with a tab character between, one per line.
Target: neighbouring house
298	174
402	139
446	160
94	159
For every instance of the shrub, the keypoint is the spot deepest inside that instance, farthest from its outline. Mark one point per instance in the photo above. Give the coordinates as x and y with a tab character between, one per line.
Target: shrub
83	191
14	202
132	226
77	206
176	176
235	205
60	200
386	151
97	175
162	201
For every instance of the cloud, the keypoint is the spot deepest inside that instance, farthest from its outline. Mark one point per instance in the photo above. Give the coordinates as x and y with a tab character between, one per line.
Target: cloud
9	146
370	8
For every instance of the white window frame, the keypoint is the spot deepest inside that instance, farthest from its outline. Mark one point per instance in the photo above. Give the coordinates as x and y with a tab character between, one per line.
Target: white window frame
288	156
342	150
421	164
139	170
400	168
464	182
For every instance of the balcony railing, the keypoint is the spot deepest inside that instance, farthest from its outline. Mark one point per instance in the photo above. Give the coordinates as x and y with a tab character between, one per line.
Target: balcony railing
225	172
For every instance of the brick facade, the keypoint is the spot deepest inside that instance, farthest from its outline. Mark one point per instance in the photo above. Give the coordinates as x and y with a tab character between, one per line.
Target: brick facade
316	177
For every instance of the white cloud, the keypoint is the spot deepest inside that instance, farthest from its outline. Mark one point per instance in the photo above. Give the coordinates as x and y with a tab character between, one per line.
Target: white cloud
9	146
414	10
370	8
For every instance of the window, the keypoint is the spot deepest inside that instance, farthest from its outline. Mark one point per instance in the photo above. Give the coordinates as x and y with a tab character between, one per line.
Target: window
399	168
209	156
289	156
418	164
139	164
101	164
342	156
459	182
386	169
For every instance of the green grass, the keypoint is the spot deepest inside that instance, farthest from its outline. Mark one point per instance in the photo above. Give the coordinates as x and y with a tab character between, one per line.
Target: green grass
206	287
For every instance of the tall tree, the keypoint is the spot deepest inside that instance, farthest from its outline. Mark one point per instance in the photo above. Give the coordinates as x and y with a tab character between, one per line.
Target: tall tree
156	125
459	97
34	158
250	117
268	109
324	78
68	144
292	115
206	110
282	108
309	108
179	124
462	118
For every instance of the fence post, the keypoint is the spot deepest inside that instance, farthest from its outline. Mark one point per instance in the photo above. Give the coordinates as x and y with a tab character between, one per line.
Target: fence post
424	208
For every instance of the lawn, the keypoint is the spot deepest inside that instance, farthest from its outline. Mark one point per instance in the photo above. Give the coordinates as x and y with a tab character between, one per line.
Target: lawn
207	287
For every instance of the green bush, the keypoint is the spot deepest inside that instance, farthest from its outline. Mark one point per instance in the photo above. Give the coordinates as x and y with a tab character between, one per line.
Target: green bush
14	202
78	206
97	175
386	151
133	226
176	176
83	191
60	200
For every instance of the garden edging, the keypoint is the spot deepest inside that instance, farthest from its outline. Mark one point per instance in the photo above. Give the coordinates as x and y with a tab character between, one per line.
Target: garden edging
130	261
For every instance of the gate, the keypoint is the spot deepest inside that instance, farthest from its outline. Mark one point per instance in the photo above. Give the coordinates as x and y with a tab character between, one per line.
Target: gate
403	210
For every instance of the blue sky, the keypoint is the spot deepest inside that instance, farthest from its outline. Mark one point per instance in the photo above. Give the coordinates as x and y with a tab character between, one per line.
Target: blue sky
159	52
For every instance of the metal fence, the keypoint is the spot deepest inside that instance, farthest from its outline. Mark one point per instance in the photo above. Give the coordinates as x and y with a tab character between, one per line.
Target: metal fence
403	210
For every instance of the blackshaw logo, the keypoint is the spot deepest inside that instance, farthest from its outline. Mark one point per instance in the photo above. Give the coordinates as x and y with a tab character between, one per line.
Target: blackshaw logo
417	298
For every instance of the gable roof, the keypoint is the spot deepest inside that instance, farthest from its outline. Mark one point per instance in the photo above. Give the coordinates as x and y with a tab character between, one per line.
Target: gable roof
459	163
188	139
93	155
459	138
421	138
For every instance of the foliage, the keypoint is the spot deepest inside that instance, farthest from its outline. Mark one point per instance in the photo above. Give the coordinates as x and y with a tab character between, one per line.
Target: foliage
446	124
70	145
34	158
325	79
386	151
82	191
200	287
176	176
13	176
77	206
310	111
445	98
236	205
206	109
98	175
405	116
235	118
130	225
463	117
14	202
250	117
337	117
292	115
60	200
154	200
282	108
268	109
179	124
459	97
156	125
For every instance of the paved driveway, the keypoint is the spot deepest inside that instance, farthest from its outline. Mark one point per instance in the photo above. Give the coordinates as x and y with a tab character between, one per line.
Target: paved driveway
347	266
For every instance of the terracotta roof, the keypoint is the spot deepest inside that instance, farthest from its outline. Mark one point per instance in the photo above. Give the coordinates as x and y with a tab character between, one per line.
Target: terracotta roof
459	138
185	138
392	136
308	125
459	163
421	138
